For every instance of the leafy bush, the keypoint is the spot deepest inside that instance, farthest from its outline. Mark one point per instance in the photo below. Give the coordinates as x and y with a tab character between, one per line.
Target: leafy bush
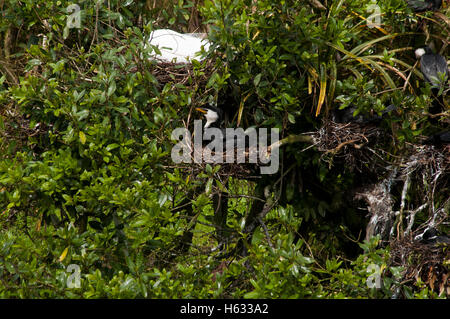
85	171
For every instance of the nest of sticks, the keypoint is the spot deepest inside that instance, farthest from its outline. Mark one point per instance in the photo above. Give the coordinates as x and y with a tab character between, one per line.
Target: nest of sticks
407	203
200	158
16	127
423	262
167	72
186	74
351	144
408	199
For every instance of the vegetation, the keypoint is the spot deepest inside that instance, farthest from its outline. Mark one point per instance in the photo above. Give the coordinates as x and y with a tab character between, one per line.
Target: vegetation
86	176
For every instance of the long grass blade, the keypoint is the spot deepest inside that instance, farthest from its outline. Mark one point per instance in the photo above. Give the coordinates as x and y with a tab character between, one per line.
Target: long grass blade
364	46
333	80
323	87
241	108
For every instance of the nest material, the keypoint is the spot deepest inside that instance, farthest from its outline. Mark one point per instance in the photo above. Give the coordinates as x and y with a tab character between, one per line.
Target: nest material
415	184
246	170
425	262
421	175
380	204
180	73
420	179
350	144
166	72
411	186
17	128
187	75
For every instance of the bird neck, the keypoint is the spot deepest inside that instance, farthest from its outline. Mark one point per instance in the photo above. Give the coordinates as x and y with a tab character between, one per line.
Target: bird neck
211	125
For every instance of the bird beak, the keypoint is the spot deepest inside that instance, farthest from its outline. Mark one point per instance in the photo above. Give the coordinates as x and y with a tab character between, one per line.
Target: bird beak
201	110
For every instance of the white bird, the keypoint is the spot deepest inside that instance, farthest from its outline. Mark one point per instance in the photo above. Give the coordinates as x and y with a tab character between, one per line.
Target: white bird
177	47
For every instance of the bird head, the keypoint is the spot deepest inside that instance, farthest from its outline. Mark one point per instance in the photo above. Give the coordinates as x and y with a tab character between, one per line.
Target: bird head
213	115
422	51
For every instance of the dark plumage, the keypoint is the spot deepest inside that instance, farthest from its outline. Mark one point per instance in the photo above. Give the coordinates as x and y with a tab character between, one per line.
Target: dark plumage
346	116
432	236
213	116
424	5
214	119
432	65
438	138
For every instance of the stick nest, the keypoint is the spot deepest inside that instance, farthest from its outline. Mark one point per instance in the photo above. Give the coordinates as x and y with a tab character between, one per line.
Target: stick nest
181	73
425	262
351	144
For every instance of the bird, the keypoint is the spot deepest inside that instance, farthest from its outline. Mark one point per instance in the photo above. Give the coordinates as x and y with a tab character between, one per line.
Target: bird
215	119
424	5
346	115
440	138
432	236
434	68
432	65
177	47
213	115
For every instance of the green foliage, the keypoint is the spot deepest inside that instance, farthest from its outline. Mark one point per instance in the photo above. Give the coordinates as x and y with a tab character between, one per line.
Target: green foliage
86	176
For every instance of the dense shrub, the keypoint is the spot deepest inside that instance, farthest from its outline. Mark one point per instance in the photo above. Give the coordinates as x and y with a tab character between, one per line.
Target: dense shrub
86	176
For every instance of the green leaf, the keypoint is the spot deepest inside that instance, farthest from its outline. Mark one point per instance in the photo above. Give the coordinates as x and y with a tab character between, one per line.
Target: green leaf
82	115
111	88
257	79
251	295
162	199
221	186
208	186
291	118
66	32
10	267
112	146
82	137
